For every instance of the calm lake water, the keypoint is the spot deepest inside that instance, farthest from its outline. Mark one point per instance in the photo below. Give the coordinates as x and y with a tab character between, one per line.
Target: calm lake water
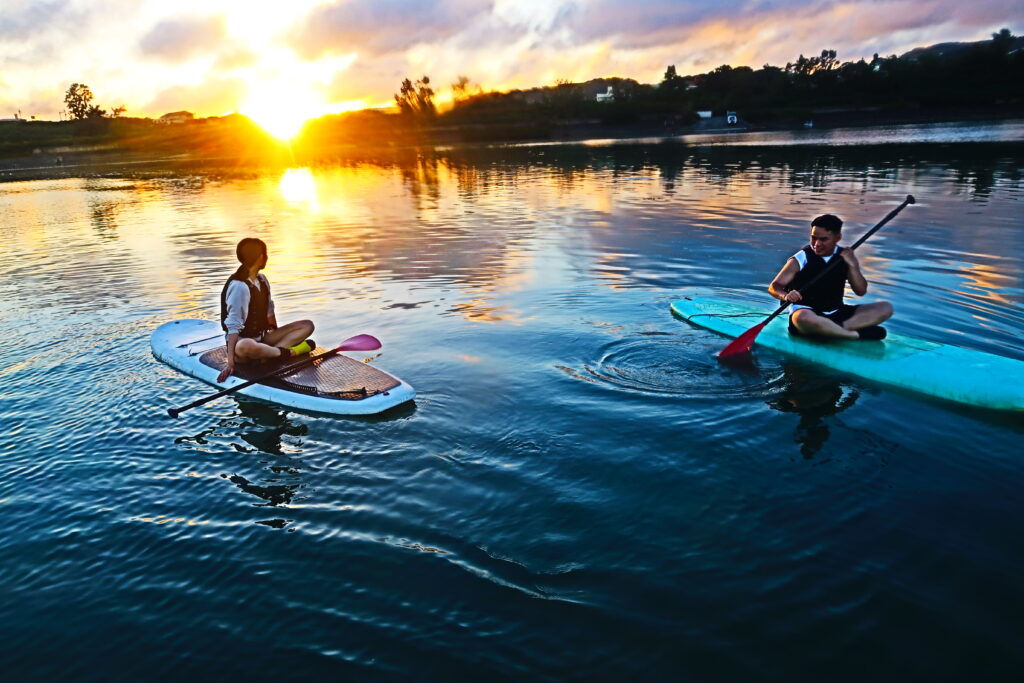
580	491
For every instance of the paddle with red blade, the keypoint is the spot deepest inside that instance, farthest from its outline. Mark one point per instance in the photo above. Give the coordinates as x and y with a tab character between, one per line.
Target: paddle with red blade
744	342
360	342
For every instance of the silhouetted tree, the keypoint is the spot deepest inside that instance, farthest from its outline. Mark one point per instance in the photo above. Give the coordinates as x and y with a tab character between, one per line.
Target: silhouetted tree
416	99
78	99
460	88
1003	40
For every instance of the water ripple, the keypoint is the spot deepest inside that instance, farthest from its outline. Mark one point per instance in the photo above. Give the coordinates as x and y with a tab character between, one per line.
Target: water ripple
679	367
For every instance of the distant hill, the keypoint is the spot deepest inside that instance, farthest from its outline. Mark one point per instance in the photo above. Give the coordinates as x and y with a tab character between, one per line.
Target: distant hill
956	49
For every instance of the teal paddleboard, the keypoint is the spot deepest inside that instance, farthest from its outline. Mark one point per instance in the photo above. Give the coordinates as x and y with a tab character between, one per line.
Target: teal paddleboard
949	372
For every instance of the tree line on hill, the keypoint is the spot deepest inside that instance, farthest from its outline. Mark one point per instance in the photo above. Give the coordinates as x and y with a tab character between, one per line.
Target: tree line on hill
947	75
986	72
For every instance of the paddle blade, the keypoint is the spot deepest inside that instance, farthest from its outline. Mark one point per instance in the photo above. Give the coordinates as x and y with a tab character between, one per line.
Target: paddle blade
742	343
360	342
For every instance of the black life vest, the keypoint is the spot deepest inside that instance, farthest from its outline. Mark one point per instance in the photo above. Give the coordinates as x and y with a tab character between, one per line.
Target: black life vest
259	306
826	294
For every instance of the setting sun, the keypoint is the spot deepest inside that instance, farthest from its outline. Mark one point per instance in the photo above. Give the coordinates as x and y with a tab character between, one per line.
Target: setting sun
281	109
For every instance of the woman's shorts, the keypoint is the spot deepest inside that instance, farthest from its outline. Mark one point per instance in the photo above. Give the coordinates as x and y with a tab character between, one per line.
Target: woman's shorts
839	316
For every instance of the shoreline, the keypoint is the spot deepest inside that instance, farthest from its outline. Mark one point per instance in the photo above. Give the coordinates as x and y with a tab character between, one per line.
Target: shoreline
823	119
78	162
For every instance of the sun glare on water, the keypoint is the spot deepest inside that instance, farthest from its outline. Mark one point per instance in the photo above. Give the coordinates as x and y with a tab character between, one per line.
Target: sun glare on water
298	185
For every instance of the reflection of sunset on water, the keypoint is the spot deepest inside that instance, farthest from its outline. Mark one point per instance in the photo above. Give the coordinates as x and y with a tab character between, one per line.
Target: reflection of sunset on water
298	185
481	236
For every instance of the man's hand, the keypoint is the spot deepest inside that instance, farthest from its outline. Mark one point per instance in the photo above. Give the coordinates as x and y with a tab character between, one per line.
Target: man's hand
792	296
856	279
228	370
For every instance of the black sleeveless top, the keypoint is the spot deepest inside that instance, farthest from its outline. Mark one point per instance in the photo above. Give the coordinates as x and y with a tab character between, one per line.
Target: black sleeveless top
826	294
259	305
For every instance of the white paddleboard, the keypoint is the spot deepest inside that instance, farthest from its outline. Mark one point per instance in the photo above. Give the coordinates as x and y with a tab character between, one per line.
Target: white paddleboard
338	385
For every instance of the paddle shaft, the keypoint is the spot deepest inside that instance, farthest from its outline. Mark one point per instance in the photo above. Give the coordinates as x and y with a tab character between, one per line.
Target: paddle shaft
174	412
892	214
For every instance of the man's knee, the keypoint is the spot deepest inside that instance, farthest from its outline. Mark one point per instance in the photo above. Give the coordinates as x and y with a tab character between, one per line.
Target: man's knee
804	320
884	310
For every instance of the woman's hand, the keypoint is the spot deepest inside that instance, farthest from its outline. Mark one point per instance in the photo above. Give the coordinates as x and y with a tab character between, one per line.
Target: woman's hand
228	370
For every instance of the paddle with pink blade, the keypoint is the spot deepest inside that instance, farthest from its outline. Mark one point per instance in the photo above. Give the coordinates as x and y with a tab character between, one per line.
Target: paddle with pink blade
360	342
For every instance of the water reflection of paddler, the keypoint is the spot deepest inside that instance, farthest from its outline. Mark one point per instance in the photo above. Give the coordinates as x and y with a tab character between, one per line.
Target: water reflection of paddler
820	311
813	397
248	318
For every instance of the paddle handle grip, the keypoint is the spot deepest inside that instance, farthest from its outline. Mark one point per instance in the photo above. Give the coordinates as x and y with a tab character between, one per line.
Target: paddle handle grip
892	214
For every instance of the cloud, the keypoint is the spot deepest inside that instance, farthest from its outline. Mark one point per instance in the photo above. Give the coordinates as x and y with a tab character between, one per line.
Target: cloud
178	40
215	96
381	26
23	20
635	23
375	80
1006	13
628	24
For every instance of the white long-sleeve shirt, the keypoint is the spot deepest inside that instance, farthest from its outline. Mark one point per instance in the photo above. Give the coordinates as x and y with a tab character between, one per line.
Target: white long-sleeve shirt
237	300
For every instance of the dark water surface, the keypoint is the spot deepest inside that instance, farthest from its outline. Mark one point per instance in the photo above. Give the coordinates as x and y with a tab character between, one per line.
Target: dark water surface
580	492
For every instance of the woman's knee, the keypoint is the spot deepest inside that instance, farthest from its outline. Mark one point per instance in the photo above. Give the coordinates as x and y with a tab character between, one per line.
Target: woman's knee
245	347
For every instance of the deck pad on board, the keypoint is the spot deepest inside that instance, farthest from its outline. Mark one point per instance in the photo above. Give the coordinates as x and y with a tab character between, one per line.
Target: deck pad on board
338	376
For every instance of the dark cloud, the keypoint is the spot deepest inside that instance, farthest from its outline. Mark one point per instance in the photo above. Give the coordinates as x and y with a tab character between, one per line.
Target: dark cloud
177	40
381	26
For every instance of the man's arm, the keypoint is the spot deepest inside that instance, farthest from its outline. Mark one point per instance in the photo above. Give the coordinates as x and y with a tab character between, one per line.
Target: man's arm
778	287
856	279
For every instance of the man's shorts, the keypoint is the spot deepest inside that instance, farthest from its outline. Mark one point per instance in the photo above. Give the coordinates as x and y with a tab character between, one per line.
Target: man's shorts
839	316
